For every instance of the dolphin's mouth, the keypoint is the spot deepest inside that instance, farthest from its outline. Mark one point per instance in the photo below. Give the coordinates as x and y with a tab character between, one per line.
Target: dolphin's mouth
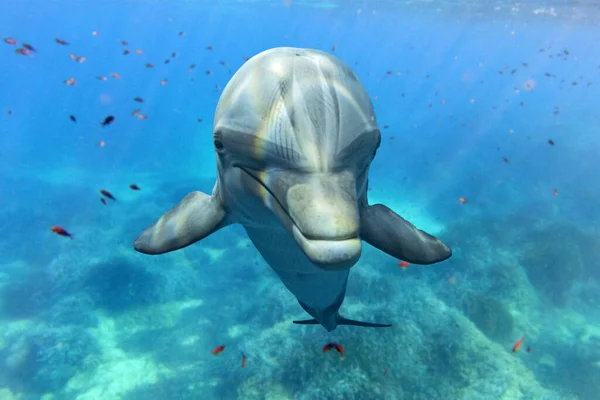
326	231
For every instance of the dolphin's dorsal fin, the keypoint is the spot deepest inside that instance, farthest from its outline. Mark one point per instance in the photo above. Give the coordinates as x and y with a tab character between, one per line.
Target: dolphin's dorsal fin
195	217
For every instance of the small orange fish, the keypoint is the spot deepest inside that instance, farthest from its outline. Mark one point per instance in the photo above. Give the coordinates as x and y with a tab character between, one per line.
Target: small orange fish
217	350
135	112
23	52
142	116
72	56
80	59
70	81
517	345
133	186
163	82
95	33
10	40
108	194
115	75
139	51
335	346
403	264
462	200
61	231
244	360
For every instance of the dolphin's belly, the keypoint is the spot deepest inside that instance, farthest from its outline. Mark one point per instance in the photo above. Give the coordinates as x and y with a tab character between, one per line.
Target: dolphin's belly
312	286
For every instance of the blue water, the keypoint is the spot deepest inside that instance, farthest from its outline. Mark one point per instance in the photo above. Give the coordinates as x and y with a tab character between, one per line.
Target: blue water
457	88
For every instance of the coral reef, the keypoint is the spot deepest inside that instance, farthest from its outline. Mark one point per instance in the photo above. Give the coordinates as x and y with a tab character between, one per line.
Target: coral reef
489	315
44	359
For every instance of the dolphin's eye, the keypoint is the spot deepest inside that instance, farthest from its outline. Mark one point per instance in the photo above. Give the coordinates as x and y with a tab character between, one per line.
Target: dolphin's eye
219	145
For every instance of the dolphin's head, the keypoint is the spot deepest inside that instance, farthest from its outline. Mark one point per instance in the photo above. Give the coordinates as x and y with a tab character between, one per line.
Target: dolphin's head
296	129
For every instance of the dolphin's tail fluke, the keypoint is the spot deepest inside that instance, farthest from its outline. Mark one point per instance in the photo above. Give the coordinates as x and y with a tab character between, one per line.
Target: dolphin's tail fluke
307	322
345	321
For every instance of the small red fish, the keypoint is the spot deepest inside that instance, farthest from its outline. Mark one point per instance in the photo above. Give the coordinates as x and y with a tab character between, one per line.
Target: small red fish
133	186
23	52
71	81
62	41
244	360
462	200
163	82
10	40
217	350
335	346
517	345
61	231
108	194
95	33
403	264
80	59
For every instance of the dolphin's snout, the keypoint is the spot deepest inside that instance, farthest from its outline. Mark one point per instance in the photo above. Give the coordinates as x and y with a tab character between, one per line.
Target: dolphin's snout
321	213
326	220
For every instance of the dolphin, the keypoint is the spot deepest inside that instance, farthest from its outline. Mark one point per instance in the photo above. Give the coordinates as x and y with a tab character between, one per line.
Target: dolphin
294	135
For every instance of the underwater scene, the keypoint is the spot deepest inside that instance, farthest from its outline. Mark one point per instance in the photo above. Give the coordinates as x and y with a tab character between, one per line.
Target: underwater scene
300	200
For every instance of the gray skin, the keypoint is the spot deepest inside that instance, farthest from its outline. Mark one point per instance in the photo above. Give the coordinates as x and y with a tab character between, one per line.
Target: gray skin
294	135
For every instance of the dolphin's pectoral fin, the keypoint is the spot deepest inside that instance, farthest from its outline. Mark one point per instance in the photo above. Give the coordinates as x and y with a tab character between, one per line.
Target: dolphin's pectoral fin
196	216
389	232
307	322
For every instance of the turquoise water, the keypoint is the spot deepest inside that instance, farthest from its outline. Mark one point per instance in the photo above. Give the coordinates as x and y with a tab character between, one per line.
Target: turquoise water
495	103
